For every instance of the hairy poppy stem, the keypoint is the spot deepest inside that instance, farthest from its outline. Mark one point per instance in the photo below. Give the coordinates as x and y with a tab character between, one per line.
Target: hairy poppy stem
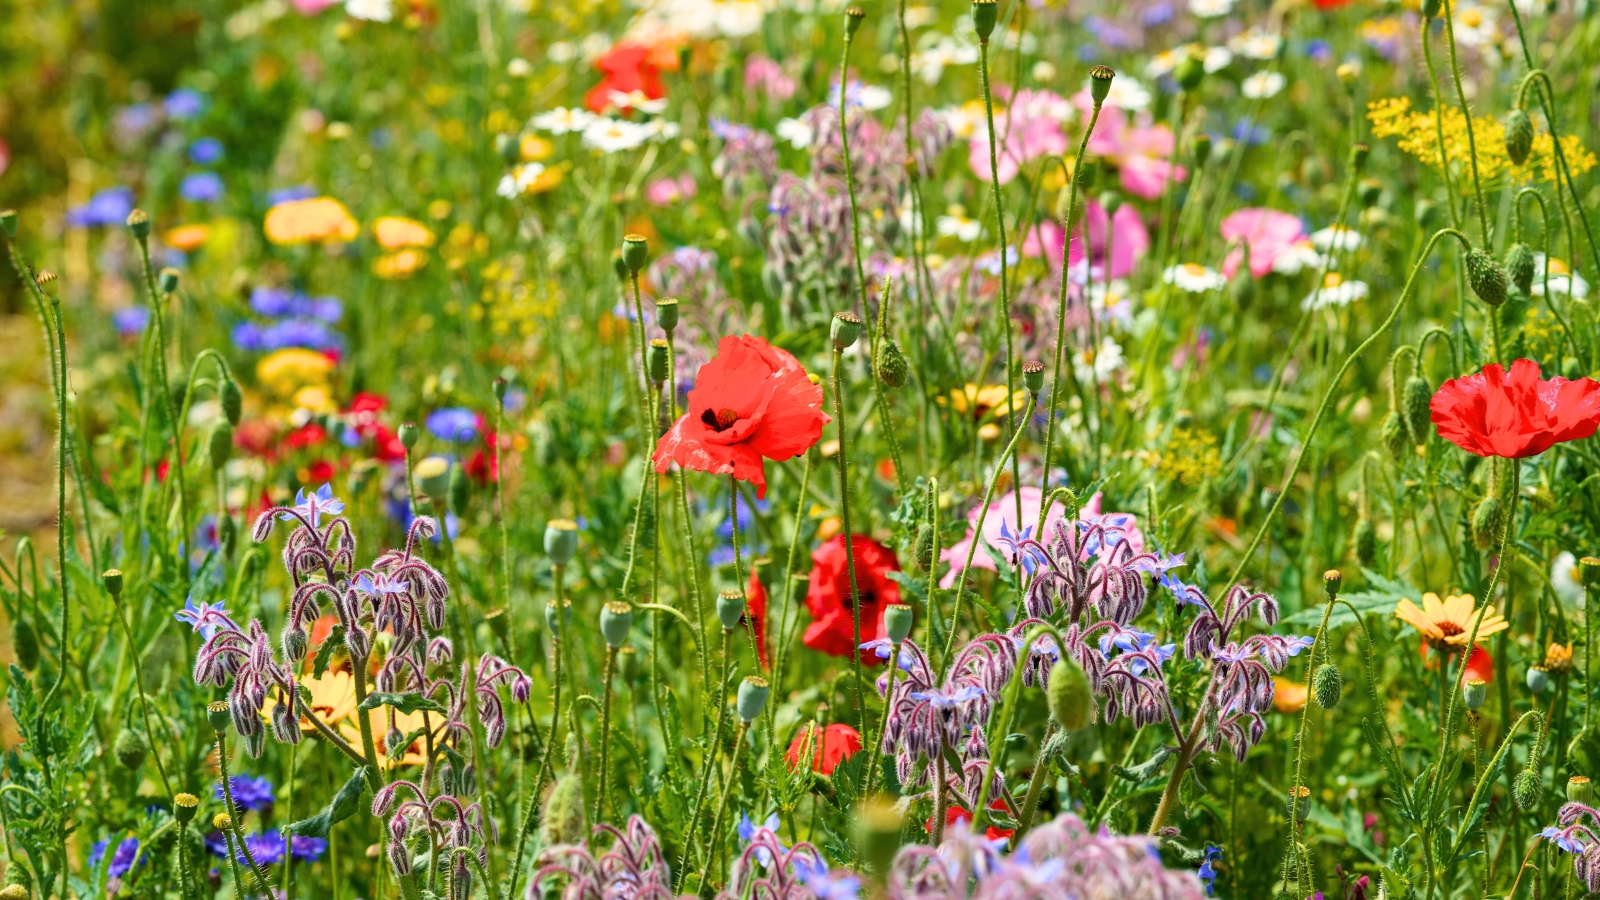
605	735
849	546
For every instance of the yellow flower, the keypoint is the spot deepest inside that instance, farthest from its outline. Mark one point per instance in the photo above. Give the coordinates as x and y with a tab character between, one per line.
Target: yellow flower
394	232
982	401
1419	136
1288	696
285	372
187	238
401	265
314	221
535	149
1558	659
1447	624
405	723
333	698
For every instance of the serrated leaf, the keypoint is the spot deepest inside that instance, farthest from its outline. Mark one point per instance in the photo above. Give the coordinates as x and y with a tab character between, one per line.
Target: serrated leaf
1146	770
335	640
408	702
344	804
406	742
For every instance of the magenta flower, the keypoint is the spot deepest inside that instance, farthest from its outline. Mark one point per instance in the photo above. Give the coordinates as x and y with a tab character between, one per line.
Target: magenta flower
1140	152
765	76
1003	510
1277	242
1028	129
1129	241
670	191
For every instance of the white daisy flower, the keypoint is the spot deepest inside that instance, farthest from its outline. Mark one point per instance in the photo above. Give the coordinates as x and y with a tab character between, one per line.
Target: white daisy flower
614	135
1335	291
1563	281
519	179
1194	278
1262	85
563	121
370	10
797	133
1256	44
959	226
1567	580
1337	237
1097	365
638	100
1217	59
1297	258
1210	9
1127	93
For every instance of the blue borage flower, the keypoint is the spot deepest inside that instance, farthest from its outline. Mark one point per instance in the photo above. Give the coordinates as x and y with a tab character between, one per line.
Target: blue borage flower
1206	872
204	617
749	831
312	507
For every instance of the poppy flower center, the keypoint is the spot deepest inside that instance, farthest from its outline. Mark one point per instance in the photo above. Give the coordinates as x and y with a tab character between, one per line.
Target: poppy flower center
721	420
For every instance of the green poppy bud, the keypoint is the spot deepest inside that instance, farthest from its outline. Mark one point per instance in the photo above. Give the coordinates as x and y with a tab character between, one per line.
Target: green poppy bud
1201	148
730	609
667	314
1100	83
184	806
1519	136
1527	790
619	267
563	821
846	326
925	546
1474	691
658	360
1425	212
893	367
408	434
1580	790
616	617
1538	679
25	644
560	540
433	476
897	619
1416	404
1395	437
1487	278
1359	154
167	280
1365	542
1300	802
129	749
1111	201
460	489
1519	267
1432	8
231	400
557	618
219	443
1033	376
753	692
1327	685
635	253
139	224
1486	517
1067	696
111	580
217	715
8	222
985	13
853	17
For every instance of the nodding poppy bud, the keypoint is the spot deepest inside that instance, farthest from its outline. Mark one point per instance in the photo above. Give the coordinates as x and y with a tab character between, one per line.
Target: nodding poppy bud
730	609
1201	147
1416	400
1589	571
1580	789
1327	685
14	891
1067	696
667	314
1300	802
1474	691
1359	155
139	224
219	443
8	221
616	618
49	283
1487	278
658	360
1432	8
167	279
563	821
844	330
853	16
925	546
618	266
1033	376
1189	71
1538	679
217	715
557	618
25	644
1395	437
231	400
1369	190
1486	518
893	368
985	13
184	806
1527	789
1364	540
1100	83
635	253
897	619
878	822
1519	136
509	146
111	579
128	749
560	540
409	434
753	692
1332	579
1111	201
222	822
1520	267
460	489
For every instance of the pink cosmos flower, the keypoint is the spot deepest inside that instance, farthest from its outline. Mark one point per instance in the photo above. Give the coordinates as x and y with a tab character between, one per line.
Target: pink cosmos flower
1028	129
1004	510
1129	241
1269	233
766	76
1141	153
667	191
311	7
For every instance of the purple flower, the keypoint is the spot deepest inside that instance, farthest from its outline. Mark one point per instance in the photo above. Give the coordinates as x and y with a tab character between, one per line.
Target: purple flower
184	103
1018	545
307	849
205	151
204	617
107	207
313	506
121	859
748	831
824	883
253	794
453	423
201	187
949	696
285	195
1207	873
1562	839
130	320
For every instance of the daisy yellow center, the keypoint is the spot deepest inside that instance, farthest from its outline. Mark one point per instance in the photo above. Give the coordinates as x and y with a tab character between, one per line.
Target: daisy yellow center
1472	18
1556	267
1194	270
1332	280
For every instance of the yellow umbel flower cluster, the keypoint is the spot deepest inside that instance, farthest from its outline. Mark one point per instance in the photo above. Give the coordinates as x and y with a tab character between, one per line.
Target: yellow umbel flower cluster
1419	136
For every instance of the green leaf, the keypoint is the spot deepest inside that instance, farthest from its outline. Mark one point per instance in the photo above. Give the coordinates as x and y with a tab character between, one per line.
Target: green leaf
405	742
1146	770
343	805
408	703
335	640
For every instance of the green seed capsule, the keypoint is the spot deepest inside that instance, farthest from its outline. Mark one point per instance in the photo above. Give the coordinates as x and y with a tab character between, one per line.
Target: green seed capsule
217	715
560	540
616	618
139	224
753	692
730	609
635	253
667	314
1474	691
8	222
985	13
897	619
408	433
844	330
460	489
1580	790
853	17
1033	376
1100	84
1538	679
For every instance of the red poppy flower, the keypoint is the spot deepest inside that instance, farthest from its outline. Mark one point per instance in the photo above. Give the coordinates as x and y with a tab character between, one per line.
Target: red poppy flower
627	68
1515	414
828	597
752	402
829	747
756	597
1330	4
306	435
1480	664
954	814
483	466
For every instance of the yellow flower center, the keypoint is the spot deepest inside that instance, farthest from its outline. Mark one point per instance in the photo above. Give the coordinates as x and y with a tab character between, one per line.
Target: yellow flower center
1332	280
1193	270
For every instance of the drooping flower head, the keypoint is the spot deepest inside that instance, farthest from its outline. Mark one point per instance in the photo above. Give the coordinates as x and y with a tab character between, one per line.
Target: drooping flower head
1515	414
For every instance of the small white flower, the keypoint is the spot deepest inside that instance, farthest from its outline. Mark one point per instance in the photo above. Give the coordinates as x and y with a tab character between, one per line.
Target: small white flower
1566	579
960	227
1112	305
1217	59
1210	9
561	51
1262	85
1563	281
1098	365
638	100
930	63
797	133
1256	44
1337	237
614	135
1335	291
1127	93
519	68
563	121
1163	62
1296	258
519	179
370	10
1194	278
738	19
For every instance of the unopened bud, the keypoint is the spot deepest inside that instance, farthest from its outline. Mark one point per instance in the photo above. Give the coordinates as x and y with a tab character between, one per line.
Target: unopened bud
219	443
1201	146
753	692
509	146
49	283
878	823
1359	154
1527	789
1487	278
1327	685
231	400
1067	695
1519	136
1520	265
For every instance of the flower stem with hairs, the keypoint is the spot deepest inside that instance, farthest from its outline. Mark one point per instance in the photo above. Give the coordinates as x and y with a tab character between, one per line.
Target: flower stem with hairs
849	546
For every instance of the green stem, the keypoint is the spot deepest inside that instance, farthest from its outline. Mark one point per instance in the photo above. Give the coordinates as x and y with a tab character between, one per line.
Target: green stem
849	545
605	736
1005	288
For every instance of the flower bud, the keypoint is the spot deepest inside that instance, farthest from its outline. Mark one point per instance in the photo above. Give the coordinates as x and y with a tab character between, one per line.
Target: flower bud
217	715
1486	517
49	283
1474	691
925	546
219	443
1364	541
128	749
1416	400
167	279
846	326
1519	136
985	13
753	692
222	822
1300	801
8	222
557	618
509	146
1527	789
1589	571
730	609
1487	278
563	821
618	266
1100	83
408	434
635	253
1425	212
25	644
1359	154
231	400
184	806
1538	679
1580	790
1327	685
658	360
1111	201
893	368
1067	696
499	385
1033	376
111	580
14	891
1369	191
560	540
853	16
878	822
1332	579
1201	147
667	314
139	224
1432	8
616	617
1395	437
897	619
1520	267
460	489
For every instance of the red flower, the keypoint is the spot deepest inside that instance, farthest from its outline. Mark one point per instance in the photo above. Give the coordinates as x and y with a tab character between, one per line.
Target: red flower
306	435
1330	4
829	747
954	814
1480	664
756	597
752	401
1515	414
627	68
828	598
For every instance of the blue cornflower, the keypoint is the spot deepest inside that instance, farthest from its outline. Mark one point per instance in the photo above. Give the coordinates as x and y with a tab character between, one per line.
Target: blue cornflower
201	187
107	207
453	423
1207	873
249	793
121	858
184	103
205	151
307	849
131	320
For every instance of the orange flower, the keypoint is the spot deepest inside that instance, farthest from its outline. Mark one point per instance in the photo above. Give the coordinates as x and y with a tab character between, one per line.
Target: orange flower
333	698
1447	624
394	232
1288	696
314	221
401	265
379	719
1558	659
187	238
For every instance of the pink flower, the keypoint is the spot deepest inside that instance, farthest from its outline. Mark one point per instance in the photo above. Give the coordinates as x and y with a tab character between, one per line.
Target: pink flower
1269	234
1129	241
1004	510
1034	132
311	7
667	191
766	76
1139	152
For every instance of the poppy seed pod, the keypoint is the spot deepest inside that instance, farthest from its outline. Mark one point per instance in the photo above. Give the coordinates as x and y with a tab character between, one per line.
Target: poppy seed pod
1520	267
217	715
897	619
139	224
1519	136
1589	571
616	618
985	13
1190	71
1474	691
128	749
730	609
49	283
893	368
1538	679
1432	8
844	330
658	360
1369	190
231	400
1201	148
1364	540
557	618
1359	154
1067	696
1100	83
1487	278
184	806
1526	789
560	540
619	267
408	434
111	580
1300	801
167	279
853	17
1416	401
219	443
1332	579
753	692
667	314
499	385
1580	790
1033	376
433	476
8	221
635	253
1327	685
